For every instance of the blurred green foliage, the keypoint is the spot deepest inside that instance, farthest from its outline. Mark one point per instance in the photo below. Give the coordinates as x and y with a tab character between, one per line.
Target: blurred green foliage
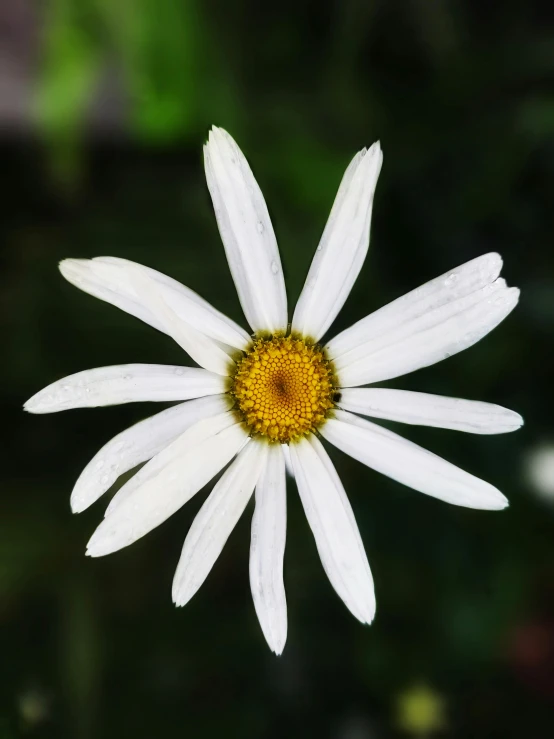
157	45
460	94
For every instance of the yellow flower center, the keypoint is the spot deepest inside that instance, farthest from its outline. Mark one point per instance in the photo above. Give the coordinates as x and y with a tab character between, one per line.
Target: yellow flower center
283	387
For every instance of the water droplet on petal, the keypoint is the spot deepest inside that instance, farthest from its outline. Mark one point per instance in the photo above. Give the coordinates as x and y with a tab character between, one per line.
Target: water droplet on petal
179	371
274	267
260	227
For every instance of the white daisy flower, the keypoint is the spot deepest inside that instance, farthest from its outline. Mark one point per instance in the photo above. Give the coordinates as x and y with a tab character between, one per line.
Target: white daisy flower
261	401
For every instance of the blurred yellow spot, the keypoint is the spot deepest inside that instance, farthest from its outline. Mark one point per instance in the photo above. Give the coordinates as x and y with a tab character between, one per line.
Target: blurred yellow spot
34	707
420	711
283	388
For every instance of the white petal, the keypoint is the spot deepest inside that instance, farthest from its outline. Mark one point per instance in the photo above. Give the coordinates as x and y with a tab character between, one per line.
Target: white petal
425	340
199	432
247	233
412	332
334	527
137	444
267	549
108	278
200	347
342	249
288	464
194	458
409	463
125	383
423	409
216	519
436	293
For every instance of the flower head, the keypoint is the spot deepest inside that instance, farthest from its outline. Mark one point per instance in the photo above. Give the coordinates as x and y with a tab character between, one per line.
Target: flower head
261	401
283	388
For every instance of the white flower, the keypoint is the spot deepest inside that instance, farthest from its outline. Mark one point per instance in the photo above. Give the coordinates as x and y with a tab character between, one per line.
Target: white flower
261	401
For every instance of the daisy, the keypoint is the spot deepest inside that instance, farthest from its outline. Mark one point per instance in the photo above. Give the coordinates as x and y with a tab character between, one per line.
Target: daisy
260	402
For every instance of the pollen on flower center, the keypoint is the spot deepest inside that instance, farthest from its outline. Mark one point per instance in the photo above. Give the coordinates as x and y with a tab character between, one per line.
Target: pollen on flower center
283	388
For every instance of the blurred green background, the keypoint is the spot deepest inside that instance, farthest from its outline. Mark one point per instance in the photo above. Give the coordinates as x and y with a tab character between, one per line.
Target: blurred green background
104	106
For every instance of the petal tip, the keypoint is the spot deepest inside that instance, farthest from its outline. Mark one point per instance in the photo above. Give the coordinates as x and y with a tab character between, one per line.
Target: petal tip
216	135
369	615
496	502
93	548
372	160
103	542
376	147
77	505
72	269
96	550
276	639
180	599
177	595
277	649
514	421
493	260
503	502
373	149
35	405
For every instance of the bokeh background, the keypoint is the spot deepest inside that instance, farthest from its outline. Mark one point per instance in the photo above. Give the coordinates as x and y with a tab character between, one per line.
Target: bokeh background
104	107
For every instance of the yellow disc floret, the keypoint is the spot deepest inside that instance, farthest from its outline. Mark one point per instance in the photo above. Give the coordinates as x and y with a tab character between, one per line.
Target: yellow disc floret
283	388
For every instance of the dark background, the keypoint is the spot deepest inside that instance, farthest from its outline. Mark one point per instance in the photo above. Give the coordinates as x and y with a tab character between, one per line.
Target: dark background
104	107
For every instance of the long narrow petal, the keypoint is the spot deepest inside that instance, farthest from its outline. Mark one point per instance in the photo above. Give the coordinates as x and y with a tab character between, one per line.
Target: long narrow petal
125	383
108	278
429	324
410	464
197	434
334	527
203	453
423	409
424	340
200	347
247	233
342	249
267	549
138	444
434	294
215	520
288	464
